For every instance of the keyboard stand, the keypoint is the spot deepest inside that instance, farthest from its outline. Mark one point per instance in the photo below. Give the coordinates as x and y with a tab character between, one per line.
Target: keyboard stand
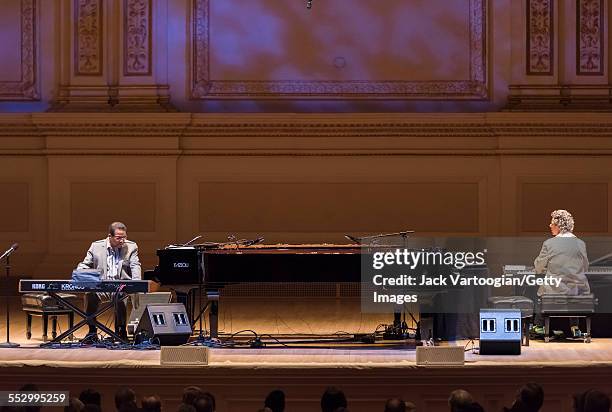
87	319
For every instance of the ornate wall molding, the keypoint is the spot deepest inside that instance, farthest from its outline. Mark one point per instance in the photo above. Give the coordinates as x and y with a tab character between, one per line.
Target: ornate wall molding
88	35
203	87
225	131
137	37
589	37
26	88
540	37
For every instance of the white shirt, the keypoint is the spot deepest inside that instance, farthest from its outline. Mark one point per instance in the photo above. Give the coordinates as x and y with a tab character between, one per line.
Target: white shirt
113	260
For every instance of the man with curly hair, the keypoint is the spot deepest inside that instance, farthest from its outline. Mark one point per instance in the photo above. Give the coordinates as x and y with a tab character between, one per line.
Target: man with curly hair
564	257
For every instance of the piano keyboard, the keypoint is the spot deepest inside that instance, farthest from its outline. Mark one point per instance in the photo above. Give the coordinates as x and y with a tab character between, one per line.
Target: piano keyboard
128	286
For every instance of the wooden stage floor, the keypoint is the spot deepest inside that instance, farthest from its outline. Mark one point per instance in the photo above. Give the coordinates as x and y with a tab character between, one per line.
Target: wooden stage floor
598	353
241	378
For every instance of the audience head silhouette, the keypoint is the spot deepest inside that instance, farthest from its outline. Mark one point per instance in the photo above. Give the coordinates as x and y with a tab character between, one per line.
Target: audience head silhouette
191	394
395	405
596	401
332	399
125	399
205	403
275	401
460	400
91	397
151	403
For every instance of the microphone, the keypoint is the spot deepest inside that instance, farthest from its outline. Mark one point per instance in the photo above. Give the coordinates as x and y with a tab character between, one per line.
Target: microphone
10	250
309	4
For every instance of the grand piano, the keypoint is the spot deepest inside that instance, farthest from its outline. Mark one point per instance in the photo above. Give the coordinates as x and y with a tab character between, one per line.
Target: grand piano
220	266
217	267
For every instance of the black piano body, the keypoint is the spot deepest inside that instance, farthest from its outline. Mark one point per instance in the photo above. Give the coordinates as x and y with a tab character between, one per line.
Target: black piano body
281	263
220	267
217	267
186	268
177	266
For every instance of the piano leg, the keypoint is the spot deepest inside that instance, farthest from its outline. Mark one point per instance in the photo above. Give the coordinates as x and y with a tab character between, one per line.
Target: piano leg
45	326
28	325
588	329
53	327
213	314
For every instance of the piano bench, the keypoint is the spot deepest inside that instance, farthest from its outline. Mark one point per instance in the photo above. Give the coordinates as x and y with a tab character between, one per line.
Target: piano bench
43	305
524	304
563	306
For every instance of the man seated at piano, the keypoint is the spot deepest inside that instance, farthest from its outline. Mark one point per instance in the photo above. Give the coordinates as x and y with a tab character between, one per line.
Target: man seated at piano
117	259
563	256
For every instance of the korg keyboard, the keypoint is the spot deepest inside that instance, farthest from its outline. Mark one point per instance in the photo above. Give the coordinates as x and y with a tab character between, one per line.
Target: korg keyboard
126	286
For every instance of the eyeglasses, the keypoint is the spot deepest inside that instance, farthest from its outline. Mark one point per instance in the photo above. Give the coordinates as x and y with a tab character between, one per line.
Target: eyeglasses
119	237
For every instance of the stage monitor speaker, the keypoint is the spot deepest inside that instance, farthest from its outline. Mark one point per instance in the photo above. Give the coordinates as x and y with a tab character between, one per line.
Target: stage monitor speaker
440	355
500	332
167	323
184	356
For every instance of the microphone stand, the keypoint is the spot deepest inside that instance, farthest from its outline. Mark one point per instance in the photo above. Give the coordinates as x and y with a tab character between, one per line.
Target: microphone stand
399	329
201	340
8	343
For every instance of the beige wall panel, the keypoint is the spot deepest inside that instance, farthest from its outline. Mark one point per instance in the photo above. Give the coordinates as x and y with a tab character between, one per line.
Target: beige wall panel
138	189
23	210
107	202
15	210
585	179
588	203
338	207
24	206
319	199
